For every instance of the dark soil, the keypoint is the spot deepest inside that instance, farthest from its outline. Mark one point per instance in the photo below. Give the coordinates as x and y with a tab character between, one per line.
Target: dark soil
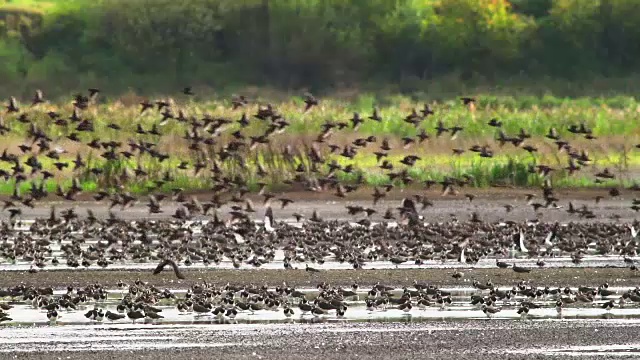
300	278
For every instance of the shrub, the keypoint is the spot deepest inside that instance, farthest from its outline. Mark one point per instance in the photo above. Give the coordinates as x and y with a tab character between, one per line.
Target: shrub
568	38
620	40
16	21
478	35
15	59
317	43
311	42
157	35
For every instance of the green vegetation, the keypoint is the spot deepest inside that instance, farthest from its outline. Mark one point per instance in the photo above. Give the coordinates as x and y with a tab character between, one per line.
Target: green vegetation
568	47
532	64
612	120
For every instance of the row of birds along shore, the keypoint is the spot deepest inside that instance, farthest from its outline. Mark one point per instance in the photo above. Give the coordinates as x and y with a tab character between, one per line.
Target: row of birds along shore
141	301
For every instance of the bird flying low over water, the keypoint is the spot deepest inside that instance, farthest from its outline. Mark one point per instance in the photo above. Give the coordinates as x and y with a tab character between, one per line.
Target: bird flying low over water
170	262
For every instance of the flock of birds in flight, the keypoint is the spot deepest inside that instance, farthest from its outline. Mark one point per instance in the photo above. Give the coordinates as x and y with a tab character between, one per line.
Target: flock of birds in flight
312	167
215	143
198	232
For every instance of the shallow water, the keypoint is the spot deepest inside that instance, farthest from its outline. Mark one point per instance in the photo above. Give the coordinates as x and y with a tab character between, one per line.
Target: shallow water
559	262
30	331
355	314
24	313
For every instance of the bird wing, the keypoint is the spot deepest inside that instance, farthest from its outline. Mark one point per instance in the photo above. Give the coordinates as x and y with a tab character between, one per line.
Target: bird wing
160	267
409	205
268	219
521	242
176	270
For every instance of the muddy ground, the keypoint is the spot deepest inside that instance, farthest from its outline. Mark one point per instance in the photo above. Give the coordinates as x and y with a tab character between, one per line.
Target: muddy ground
300	278
488	203
470	339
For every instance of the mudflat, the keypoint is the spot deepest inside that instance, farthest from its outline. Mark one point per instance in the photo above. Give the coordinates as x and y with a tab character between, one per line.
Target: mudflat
331	338
469	339
490	204
567	276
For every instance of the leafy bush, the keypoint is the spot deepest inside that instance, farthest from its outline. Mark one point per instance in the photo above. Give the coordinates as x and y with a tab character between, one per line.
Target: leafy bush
480	35
316	43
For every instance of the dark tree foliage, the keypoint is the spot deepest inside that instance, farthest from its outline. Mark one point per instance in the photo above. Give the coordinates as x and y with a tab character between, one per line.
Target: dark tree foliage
315	43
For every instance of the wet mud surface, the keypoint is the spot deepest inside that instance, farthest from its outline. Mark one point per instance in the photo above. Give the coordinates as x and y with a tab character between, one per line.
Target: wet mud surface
460	332
489	203
300	278
479	339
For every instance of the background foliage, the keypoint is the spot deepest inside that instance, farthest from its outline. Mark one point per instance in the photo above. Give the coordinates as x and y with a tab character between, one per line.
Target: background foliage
317	44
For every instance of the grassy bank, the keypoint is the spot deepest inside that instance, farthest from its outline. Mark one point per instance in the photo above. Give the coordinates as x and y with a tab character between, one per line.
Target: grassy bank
613	122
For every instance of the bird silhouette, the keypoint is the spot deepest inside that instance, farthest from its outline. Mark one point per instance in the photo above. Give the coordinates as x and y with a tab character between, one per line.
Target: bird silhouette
173	264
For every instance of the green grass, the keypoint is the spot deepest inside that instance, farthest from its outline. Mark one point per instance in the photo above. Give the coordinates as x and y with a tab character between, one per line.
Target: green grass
502	171
607	117
613	121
